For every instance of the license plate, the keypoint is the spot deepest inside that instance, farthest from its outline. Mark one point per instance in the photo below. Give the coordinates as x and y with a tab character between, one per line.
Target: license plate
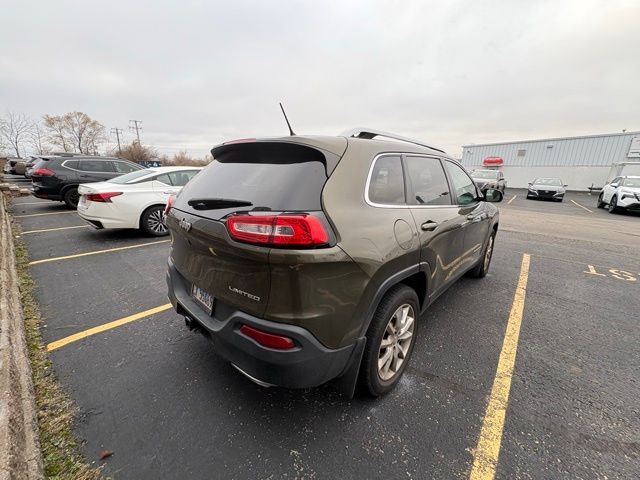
204	299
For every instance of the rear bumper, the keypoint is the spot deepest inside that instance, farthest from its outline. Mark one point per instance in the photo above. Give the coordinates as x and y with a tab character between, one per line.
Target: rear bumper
48	193
308	364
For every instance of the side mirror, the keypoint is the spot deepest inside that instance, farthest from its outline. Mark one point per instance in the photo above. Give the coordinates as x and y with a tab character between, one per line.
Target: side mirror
565	185
614	185
491	195
530	183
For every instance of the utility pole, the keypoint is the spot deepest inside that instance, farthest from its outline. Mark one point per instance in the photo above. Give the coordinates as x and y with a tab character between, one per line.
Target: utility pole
137	127
117	131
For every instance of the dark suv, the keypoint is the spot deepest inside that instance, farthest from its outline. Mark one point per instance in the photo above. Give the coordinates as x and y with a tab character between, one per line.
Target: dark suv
306	259
57	177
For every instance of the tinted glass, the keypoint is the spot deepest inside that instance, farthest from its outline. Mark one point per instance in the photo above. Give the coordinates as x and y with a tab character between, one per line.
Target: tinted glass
427	182
131	176
71	164
124	167
488	174
180	179
556	182
273	175
386	186
464	189
95	166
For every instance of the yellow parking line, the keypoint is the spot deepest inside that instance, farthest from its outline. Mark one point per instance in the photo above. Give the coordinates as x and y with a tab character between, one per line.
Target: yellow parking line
487	451
53	229
581	206
97	252
105	326
512	199
40	214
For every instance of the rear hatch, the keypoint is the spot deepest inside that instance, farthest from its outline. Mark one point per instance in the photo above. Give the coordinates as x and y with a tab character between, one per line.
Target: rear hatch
256	180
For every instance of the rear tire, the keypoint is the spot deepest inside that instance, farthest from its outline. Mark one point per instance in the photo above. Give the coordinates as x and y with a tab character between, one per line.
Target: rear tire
152	221
71	198
481	269
600	203
390	341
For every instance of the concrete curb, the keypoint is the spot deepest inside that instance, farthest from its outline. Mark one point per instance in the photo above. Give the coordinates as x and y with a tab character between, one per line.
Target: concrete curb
20	453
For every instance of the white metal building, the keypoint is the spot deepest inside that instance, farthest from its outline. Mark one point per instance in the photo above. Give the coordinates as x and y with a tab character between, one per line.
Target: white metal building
579	161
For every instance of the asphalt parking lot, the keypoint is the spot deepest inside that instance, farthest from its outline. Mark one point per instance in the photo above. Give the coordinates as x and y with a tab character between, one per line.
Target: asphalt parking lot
159	398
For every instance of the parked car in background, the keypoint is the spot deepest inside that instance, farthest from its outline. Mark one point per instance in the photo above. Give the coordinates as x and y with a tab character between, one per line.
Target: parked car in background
16	166
307	259
622	193
489	179
135	200
547	188
57	178
7	167
29	166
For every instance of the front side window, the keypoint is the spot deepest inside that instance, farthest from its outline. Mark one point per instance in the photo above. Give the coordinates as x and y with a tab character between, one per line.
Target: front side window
386	185
123	167
463	187
426	181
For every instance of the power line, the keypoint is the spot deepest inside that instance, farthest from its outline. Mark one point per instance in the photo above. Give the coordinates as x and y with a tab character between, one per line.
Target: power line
137	127
117	132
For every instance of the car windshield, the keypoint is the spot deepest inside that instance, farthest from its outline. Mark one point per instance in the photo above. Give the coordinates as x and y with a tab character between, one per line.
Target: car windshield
128	177
631	182
556	182
490	174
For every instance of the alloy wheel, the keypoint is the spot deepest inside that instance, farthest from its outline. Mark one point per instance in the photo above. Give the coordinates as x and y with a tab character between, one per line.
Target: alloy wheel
156	222
396	342
488	253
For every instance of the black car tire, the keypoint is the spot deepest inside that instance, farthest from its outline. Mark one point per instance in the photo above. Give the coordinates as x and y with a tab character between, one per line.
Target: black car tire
369	377
149	221
481	269
600	203
71	197
613	204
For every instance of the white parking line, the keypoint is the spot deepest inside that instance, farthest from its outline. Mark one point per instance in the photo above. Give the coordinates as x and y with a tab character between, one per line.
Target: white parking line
512	199
54	229
40	214
43	202
581	206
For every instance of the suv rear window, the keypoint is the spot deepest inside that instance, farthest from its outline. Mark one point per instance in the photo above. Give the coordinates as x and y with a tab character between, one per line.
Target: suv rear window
272	175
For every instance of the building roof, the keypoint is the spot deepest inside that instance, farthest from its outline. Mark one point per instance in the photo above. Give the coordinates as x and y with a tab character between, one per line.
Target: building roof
553	139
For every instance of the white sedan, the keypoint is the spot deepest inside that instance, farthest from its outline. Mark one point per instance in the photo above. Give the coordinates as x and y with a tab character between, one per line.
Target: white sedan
135	200
622	193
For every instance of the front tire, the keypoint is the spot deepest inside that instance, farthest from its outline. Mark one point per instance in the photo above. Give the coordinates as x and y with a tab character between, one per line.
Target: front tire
613	205
390	341
152	221
600	203
71	198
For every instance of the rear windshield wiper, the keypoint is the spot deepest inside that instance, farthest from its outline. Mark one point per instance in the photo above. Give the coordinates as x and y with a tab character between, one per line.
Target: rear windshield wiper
216	203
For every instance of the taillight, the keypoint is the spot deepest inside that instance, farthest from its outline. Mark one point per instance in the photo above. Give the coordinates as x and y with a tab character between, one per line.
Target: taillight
270	340
102	197
170	203
43	172
279	230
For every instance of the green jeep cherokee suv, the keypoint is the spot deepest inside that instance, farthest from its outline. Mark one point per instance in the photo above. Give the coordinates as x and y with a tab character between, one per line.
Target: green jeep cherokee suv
306	259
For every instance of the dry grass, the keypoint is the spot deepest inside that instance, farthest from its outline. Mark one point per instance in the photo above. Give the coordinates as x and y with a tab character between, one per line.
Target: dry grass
56	411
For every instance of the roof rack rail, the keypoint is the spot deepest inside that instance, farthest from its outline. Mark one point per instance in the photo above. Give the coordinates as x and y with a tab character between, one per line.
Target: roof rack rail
370	133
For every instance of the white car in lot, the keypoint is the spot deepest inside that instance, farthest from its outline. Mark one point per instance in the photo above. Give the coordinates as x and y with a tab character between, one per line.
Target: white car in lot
135	200
622	193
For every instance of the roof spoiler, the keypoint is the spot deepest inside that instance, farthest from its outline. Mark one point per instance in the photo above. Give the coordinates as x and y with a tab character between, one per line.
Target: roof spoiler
369	133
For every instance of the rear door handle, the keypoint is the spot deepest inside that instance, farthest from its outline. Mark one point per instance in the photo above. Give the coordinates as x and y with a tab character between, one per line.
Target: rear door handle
429	226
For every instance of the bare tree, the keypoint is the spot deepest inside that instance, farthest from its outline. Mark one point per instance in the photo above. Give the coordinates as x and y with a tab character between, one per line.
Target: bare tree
15	129
75	132
37	138
136	152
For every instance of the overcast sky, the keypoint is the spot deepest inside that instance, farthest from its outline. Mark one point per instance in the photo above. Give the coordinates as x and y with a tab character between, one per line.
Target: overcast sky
451	73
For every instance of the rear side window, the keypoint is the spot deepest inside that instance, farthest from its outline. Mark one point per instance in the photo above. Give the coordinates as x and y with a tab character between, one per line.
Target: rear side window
71	164
95	166
274	176
386	184
427	181
463	187
180	179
